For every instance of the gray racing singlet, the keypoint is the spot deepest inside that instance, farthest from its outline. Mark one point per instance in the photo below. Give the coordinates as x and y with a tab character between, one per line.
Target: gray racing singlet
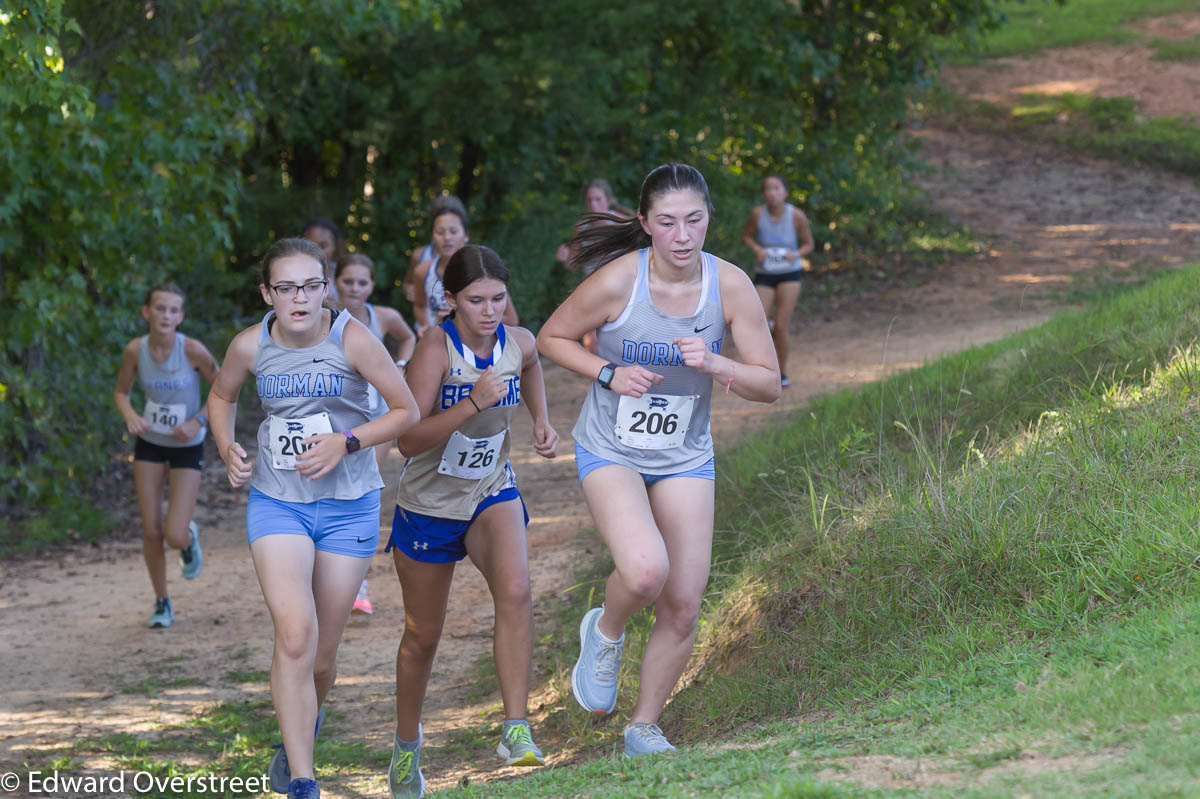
450	479
172	390
666	430
778	235
375	404
308	391
435	294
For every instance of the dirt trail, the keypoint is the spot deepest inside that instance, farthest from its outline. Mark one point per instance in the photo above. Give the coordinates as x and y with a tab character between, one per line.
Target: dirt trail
77	660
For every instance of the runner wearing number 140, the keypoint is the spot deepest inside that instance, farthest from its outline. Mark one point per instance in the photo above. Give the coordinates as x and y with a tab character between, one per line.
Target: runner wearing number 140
661	308
458	497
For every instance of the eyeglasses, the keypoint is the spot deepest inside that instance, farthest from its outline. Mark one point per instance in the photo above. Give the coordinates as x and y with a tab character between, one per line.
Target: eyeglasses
290	289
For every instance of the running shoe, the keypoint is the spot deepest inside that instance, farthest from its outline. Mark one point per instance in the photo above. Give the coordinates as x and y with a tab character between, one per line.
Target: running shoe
301	788
280	773
517	746
594	678
645	739
191	559
163	615
405	779
362	602
783	381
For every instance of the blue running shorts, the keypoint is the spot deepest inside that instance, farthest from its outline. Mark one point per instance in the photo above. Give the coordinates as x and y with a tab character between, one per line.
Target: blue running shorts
586	463
341	526
430	539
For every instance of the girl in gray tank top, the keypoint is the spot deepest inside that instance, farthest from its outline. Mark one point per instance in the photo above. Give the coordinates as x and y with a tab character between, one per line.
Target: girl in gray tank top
312	517
458	497
778	233
661	307
169	437
355	279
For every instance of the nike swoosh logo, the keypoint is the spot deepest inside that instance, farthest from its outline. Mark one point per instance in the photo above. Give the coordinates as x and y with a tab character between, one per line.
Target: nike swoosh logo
319	360
699	329
364	540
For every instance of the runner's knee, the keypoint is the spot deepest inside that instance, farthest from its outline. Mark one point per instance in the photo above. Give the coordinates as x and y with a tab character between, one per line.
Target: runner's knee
420	644
296	639
645	582
679	614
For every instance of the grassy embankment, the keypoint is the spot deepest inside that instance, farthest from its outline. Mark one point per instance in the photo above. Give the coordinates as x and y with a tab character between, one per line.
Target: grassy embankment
984	569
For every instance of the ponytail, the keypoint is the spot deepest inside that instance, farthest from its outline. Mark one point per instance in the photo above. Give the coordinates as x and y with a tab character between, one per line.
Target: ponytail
600	238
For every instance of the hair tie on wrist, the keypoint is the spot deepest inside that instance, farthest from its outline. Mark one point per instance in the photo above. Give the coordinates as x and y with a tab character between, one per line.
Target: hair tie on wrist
476	404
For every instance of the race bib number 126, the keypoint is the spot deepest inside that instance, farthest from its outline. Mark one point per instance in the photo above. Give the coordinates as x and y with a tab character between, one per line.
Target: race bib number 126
286	436
654	421
471	458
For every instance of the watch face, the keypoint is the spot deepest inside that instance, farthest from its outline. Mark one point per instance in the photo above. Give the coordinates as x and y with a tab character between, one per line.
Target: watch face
606	375
352	444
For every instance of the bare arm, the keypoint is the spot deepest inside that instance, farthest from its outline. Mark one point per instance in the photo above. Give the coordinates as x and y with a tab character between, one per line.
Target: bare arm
803	233
134	423
203	362
756	377
597	300
419	299
425	374
533	390
393	324
222	403
750	232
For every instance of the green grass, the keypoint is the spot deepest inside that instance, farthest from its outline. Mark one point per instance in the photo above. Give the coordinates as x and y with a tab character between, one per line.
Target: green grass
1177	49
51	528
973	531
1107	127
1036	25
1108	711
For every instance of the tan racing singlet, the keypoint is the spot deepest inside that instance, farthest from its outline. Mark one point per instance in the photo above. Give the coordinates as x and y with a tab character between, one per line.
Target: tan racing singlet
450	479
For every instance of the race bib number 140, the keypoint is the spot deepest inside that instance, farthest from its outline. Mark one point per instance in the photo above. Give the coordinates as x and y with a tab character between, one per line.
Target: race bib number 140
654	421
163	418
287	435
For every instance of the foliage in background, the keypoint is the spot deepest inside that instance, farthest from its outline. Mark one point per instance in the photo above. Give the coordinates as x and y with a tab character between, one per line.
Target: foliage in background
178	140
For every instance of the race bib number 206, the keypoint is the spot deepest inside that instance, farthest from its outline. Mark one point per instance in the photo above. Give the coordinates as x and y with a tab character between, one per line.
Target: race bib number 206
654	421
287	435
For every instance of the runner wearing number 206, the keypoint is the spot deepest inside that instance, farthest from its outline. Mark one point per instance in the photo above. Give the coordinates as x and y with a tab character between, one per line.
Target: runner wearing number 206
458	498
312	517
661	308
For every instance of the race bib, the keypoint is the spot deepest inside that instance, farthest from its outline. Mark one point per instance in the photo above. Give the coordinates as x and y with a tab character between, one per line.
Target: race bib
163	418
286	436
471	458
777	260
654	421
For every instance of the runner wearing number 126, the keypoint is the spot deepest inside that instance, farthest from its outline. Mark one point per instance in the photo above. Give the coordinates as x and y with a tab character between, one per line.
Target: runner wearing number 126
458	497
661	308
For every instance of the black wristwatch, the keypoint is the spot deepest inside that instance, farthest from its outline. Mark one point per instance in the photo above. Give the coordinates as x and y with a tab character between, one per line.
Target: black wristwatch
605	377
352	443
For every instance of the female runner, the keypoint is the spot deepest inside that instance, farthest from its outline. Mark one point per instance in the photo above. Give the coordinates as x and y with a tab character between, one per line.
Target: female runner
458	498
169	443
661	308
780	237
312	517
355	280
